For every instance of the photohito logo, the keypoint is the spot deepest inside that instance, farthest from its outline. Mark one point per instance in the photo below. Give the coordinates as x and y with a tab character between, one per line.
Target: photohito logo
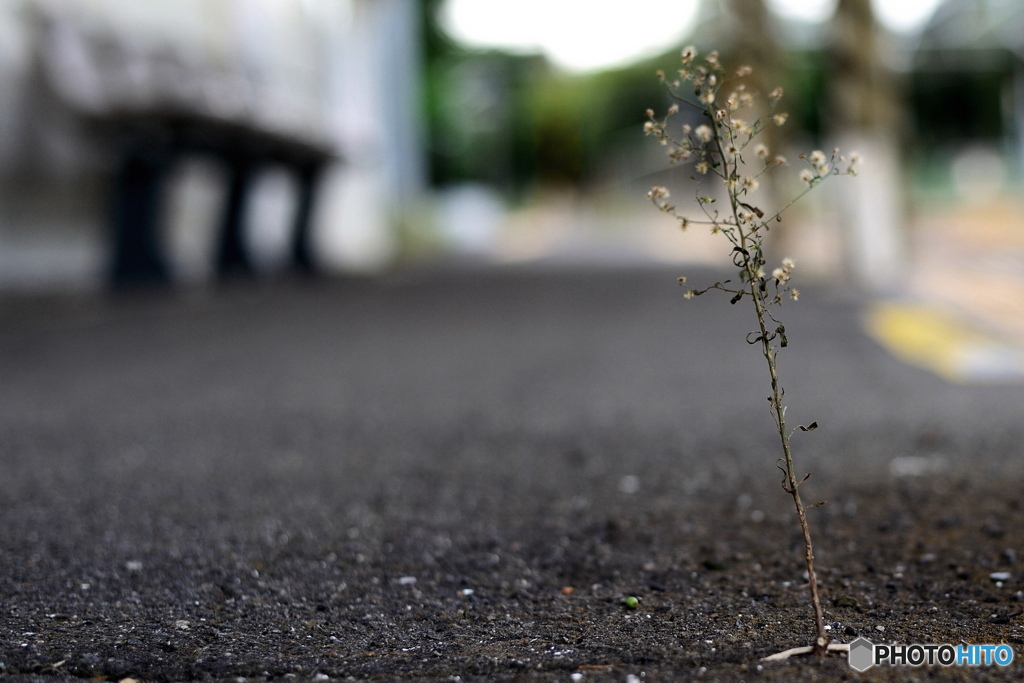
864	654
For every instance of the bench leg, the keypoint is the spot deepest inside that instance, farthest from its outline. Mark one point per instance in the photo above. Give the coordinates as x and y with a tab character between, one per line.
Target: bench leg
232	252
138	257
302	248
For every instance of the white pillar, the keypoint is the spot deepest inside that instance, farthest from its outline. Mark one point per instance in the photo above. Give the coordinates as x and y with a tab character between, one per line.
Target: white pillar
374	76
871	211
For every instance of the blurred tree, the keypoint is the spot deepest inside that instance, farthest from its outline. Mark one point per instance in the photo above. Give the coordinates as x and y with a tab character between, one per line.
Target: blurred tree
865	113
754	41
863	90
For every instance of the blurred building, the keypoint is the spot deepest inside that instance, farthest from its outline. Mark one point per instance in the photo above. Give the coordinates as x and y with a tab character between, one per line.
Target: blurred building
204	112
969	72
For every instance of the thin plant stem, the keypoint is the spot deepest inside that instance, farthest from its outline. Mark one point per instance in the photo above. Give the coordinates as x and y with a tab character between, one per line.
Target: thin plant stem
717	150
750	246
791	485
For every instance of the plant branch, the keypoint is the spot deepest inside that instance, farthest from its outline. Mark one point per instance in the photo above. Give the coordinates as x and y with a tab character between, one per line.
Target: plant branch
717	149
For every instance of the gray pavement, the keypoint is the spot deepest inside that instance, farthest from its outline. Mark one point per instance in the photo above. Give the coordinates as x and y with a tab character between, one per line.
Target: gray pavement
352	385
149	430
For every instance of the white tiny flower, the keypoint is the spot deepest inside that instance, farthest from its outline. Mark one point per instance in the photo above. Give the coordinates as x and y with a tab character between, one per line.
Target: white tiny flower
807	175
704	133
689	54
854	163
681	154
819	161
750	184
782	274
780	119
761	150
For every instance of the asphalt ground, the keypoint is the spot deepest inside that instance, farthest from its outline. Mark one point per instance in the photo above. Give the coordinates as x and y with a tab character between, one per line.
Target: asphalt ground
198	484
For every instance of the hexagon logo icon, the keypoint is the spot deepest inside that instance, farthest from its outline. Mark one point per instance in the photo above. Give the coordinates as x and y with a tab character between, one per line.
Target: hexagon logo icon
862	654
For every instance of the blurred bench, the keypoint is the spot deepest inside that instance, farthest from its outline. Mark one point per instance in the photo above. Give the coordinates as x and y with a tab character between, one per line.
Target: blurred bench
149	144
155	104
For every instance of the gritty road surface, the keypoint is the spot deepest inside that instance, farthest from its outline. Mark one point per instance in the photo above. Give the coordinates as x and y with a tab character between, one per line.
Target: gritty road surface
465	472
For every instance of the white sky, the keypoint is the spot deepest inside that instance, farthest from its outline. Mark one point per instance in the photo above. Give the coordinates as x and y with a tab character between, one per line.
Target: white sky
584	35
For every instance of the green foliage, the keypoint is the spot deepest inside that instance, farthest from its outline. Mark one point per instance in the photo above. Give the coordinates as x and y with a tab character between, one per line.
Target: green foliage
514	121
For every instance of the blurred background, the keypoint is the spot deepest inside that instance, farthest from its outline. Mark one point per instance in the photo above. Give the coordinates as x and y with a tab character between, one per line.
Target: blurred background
180	140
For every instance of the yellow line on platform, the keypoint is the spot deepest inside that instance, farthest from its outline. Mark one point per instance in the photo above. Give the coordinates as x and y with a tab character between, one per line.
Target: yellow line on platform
938	340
